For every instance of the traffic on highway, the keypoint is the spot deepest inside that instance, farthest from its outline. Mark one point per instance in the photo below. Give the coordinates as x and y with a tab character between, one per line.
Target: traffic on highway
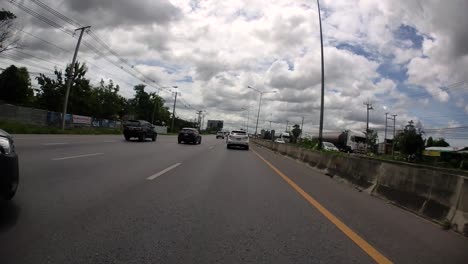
234	131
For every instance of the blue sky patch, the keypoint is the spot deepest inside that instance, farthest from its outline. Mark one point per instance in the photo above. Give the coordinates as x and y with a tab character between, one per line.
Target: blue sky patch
409	33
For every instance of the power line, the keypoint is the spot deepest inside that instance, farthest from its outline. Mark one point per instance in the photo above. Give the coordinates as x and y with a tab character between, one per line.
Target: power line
41	17
57	13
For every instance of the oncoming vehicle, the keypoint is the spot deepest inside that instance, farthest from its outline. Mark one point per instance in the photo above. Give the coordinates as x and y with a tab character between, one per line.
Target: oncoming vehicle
9	172
238	138
140	129
220	134
189	135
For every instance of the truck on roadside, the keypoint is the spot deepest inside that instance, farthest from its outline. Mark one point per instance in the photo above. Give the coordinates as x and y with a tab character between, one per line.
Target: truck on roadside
349	141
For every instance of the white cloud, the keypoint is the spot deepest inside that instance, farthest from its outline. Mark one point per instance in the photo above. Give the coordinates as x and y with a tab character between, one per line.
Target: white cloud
224	46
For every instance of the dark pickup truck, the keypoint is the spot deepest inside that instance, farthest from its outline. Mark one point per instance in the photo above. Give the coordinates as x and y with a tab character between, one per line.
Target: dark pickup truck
9	172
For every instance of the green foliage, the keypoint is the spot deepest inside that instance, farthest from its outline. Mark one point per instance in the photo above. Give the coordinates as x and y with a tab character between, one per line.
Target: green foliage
100	101
441	143
51	91
15	86
429	142
310	143
410	141
372	137
296	132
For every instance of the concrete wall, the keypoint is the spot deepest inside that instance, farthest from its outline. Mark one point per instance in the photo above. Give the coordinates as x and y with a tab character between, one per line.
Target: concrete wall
438	194
23	114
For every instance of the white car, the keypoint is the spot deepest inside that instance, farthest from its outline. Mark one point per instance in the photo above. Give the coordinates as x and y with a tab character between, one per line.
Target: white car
329	146
280	141
238	138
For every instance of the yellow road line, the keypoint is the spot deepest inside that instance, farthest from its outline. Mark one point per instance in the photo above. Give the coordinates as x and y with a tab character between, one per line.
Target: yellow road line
366	247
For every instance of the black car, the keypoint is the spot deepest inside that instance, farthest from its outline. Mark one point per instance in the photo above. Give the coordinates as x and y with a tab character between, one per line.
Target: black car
9	172
189	135
139	129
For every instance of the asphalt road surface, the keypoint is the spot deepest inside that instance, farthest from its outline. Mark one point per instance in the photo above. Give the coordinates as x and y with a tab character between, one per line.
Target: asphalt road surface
99	199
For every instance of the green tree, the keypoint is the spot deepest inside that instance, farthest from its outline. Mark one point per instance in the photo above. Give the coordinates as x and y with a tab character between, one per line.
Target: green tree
8	40
441	143
107	102
296	132
15	86
410	140
372	137
51	91
429	142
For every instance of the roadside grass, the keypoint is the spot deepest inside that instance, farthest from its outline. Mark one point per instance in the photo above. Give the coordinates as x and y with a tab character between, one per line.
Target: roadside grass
14	127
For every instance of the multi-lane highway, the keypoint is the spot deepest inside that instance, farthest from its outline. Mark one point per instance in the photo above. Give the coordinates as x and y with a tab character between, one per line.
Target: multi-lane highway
100	199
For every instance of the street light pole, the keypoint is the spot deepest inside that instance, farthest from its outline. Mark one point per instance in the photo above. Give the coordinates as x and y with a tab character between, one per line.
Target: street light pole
259	104
323	81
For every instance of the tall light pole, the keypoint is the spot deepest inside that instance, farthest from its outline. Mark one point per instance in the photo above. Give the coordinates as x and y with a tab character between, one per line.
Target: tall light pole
156	101
259	104
323	80
248	117
369	107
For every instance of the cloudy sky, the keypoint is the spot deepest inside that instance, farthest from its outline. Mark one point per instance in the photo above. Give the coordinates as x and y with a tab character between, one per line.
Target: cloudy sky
406	57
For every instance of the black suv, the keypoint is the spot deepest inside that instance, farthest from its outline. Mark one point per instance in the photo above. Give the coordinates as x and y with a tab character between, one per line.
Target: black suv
189	135
9	173
139	129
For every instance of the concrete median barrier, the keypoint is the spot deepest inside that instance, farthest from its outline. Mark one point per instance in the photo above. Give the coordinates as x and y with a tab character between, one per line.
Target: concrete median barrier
434	193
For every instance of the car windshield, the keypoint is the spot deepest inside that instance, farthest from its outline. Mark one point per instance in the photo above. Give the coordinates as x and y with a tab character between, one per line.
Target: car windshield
132	123
234	131
239	133
188	131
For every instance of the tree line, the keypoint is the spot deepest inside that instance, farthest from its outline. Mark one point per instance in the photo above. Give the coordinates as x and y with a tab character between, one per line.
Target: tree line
100	101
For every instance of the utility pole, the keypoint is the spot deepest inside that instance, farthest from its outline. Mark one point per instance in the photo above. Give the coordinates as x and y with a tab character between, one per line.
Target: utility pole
385	137
393	141
203	122
322	97
302	125
259	104
369	107
287	123
173	111
199	119
70	74
270	124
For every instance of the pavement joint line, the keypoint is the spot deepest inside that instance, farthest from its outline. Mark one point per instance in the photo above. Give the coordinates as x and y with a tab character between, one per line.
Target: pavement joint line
154	176
79	156
359	241
53	144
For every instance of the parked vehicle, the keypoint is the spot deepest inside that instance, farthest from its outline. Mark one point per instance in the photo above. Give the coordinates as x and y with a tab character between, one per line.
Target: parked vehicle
189	135
329	146
220	134
140	129
347	141
238	138
9	172
280	141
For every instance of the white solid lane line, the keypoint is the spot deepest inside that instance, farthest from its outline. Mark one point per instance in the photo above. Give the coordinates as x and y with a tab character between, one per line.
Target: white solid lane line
152	177
53	144
80	156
